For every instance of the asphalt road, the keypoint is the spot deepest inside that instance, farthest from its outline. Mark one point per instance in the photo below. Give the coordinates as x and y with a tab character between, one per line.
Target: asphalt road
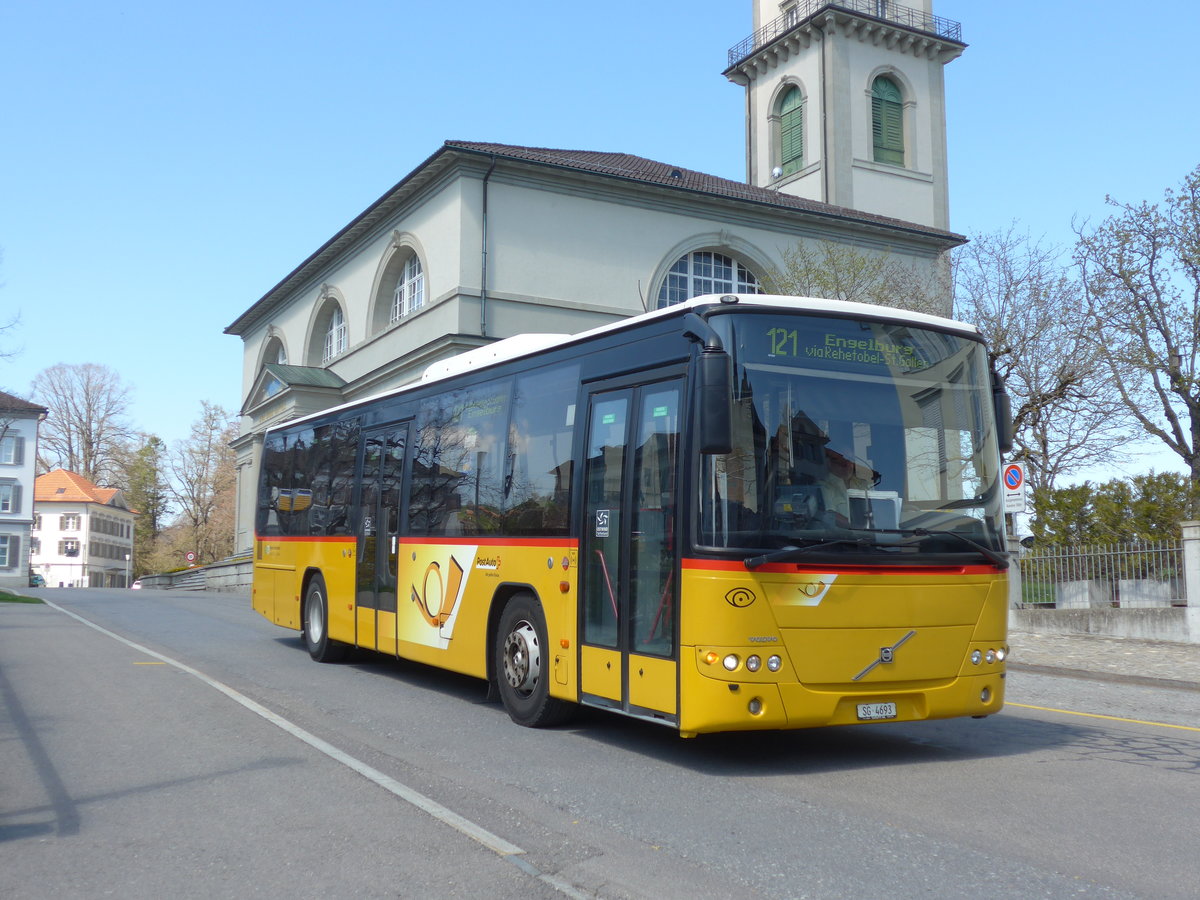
192	749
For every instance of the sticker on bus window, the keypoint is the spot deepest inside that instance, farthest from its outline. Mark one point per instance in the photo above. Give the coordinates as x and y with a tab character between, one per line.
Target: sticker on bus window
661	412
602	523
608	419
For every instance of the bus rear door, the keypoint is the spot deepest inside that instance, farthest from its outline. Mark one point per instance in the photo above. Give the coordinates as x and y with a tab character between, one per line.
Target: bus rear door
378	538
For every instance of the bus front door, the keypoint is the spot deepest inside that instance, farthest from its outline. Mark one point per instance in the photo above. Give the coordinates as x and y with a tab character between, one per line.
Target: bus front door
629	636
378	536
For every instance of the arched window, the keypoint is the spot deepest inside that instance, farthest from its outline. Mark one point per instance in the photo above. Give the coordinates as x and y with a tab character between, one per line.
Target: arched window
791	131
705	272
335	335
887	121
410	290
275	352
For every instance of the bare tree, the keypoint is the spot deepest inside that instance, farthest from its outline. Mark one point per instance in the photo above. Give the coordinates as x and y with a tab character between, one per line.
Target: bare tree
204	482
1028	304
88	426
840	272
1141	271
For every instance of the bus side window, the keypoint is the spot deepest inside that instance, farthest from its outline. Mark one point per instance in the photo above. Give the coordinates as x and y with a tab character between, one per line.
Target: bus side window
459	463
537	482
274	474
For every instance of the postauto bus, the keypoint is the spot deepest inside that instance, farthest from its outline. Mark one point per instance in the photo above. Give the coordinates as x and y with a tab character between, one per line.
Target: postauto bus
740	512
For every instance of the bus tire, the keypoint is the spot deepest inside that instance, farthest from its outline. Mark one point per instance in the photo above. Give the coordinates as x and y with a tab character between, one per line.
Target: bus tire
522	664
316	625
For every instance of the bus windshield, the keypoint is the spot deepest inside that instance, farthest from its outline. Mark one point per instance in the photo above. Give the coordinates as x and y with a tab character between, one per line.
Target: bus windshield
854	436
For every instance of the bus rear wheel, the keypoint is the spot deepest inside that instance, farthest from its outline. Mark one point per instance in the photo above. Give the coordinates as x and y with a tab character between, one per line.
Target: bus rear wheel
316	625
522	665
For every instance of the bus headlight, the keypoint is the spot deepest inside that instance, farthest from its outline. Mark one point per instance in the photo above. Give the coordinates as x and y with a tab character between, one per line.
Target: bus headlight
731	661
990	656
774	663
976	657
753	663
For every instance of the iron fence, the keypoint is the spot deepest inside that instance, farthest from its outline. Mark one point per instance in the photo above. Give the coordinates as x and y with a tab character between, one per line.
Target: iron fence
1138	575
887	10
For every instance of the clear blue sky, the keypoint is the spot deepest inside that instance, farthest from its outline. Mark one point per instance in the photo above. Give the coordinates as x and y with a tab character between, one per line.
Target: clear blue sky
163	165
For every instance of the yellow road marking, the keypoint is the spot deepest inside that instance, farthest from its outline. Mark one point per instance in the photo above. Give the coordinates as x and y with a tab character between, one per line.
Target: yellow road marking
1071	712
149	663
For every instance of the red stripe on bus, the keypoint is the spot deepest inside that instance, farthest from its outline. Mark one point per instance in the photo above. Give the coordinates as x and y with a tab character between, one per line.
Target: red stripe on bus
722	565
569	543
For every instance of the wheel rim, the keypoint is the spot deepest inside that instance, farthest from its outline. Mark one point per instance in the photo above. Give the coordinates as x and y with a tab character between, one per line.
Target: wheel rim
316	617
522	658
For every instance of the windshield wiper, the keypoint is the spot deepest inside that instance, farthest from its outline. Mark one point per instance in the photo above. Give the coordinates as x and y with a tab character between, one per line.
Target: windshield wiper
787	554
999	560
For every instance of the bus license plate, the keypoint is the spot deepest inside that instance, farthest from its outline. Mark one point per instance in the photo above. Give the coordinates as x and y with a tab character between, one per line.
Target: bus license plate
871	711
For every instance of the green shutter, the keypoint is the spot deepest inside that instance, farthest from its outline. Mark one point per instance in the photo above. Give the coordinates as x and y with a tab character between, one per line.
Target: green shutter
887	122
791	132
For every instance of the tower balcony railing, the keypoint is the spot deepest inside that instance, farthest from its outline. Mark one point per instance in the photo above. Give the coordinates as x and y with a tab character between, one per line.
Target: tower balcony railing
883	10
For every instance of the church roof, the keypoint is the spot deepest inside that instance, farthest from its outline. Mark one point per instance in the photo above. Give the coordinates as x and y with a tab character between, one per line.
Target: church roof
635	170
649	171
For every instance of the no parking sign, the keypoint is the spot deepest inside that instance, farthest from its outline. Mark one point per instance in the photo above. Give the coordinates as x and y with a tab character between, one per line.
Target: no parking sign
1014	488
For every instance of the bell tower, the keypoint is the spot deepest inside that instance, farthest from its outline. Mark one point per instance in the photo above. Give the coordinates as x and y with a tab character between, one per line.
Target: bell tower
846	103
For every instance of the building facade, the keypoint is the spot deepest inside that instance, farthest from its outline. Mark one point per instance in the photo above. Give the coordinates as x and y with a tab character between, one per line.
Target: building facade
19	420
485	241
82	534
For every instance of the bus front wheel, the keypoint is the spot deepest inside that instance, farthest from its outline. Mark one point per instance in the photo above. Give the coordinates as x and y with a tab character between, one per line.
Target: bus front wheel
316	625
522	665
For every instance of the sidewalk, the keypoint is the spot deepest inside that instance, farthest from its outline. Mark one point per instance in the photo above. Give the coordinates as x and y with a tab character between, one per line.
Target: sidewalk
1110	658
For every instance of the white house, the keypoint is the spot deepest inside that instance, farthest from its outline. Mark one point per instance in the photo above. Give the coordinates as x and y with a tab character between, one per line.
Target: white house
82	534
484	241
19	420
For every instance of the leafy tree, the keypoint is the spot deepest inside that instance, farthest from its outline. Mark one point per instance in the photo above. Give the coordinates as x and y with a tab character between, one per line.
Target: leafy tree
1027	304
1142	508
1141	271
840	272
87	428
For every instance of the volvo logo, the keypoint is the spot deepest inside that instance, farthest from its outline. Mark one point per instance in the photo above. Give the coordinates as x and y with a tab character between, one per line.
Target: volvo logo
886	655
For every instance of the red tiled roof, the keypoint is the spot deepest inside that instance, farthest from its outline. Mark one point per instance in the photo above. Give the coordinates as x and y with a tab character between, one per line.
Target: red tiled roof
67	487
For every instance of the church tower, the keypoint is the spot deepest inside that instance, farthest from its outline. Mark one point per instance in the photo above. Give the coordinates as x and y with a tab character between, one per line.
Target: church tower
846	103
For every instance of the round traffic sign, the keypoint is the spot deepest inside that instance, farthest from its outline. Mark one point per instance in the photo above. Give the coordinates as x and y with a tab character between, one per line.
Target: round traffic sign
1014	477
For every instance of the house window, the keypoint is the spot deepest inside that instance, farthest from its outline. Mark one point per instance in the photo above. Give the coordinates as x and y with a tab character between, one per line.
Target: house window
68	547
9	545
410	290
12	450
335	335
37	521
10	498
35	546
887	121
791	132
68	522
705	272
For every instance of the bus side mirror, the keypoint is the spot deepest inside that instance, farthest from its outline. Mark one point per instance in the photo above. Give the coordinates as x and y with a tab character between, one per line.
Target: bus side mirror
1004	420
715	402
714	390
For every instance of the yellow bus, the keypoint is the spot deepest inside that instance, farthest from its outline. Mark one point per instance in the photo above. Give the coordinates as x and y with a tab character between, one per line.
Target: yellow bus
740	512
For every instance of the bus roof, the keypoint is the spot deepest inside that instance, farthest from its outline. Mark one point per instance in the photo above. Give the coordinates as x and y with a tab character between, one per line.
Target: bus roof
522	345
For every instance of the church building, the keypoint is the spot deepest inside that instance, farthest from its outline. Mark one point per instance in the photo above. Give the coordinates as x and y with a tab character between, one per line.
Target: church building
845	144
